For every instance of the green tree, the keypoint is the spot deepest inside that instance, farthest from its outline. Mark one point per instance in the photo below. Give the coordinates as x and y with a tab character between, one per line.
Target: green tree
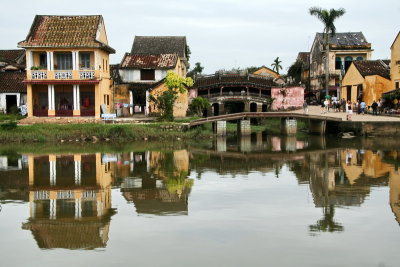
198	105
276	65
295	70
198	69
327	17
165	102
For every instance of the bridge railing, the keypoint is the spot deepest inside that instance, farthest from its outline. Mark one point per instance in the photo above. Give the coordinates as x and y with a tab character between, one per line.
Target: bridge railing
235	94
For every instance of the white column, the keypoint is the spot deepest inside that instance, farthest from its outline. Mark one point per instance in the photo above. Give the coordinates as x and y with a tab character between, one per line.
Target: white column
51	99
50	61
131	101
53	209
146	111
77	98
78	208
77	60
30	60
73	60
53	173
78	172
147	155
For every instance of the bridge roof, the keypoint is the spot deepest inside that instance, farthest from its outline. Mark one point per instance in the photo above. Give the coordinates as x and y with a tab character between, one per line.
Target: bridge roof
230	80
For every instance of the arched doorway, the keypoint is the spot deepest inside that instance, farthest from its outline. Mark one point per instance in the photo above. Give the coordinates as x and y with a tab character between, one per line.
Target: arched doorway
264	108
253	107
215	108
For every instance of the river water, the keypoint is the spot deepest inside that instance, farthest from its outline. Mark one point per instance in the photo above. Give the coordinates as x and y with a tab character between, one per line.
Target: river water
257	201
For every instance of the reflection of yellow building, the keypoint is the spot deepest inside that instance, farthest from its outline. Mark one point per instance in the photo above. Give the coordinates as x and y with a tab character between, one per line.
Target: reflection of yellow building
158	182
70	201
367	163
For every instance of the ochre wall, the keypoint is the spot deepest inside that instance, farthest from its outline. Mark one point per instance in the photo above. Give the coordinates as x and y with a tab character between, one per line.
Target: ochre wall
373	86
264	70
395	57
181	103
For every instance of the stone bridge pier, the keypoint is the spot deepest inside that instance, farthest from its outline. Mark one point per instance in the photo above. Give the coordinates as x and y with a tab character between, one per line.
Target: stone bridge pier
288	126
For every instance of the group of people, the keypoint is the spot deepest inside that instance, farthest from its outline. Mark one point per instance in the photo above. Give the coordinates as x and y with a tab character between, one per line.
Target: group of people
359	107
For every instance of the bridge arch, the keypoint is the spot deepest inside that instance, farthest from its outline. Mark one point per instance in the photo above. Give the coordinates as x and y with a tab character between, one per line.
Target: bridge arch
215	109
264	108
253	107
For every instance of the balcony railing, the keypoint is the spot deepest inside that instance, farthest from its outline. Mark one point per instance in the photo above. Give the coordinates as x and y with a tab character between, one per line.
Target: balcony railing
39	74
86	74
63	74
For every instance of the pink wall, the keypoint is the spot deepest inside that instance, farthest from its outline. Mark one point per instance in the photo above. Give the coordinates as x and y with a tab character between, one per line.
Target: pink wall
287	97
192	93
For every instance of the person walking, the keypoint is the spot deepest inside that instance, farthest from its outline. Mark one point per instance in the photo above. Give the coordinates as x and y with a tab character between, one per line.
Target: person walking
374	108
349	110
305	107
362	107
326	105
343	104
380	106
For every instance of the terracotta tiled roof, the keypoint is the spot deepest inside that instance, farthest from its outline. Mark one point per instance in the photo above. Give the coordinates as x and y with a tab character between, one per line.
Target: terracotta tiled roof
161	61
12	55
65	31
155	45
372	67
11	82
232	80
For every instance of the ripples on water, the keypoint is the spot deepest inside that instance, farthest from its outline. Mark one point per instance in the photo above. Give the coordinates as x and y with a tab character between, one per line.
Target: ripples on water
258	201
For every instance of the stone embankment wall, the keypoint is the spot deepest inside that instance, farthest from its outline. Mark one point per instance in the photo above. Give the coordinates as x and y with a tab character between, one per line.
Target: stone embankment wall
366	128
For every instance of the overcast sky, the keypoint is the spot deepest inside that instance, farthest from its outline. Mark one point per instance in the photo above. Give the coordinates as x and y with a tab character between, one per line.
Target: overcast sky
222	34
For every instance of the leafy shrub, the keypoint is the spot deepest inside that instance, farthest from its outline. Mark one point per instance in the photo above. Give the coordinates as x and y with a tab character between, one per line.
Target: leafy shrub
8	125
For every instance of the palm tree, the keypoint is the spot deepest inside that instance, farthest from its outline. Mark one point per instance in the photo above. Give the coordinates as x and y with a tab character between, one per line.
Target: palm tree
327	17
276	65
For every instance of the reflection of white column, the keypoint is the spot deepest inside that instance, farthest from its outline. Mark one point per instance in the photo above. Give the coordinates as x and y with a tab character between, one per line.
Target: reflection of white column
131	162
78	172
53	173
78	208
32	209
131	101
99	208
147	155
53	208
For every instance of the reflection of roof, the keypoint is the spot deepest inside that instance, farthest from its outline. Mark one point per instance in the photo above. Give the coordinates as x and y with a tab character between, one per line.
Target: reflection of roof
65	31
217	80
87	233
158	201
156	45
372	67
71	235
161	61
346	39
11	82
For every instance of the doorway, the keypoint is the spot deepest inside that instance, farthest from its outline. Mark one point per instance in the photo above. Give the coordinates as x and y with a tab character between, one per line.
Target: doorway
11	103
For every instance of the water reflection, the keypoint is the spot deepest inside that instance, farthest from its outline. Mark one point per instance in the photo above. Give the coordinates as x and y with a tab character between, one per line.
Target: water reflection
69	195
157	182
70	201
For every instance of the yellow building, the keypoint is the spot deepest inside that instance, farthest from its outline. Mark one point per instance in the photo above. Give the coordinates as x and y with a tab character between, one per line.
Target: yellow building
142	72
68	72
366	80
70	200
265	71
395	63
344	48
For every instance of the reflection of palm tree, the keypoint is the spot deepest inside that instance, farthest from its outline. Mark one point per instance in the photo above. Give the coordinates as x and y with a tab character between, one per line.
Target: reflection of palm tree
327	224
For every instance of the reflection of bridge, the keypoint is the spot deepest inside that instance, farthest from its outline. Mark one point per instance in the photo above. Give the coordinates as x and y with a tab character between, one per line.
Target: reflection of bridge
317	124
